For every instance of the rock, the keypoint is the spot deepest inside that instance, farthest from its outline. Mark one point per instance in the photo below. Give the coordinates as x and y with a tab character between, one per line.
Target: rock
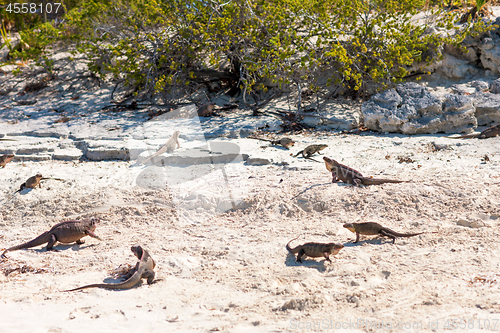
456	68
490	56
487	108
257	161
412	109
101	150
470	55
495	87
480	85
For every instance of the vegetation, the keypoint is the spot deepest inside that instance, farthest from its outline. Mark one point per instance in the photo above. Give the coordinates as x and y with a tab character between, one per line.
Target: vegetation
169	48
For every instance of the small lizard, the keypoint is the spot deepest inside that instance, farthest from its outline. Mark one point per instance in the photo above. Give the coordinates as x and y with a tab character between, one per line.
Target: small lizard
314	250
33	182
351	176
168	147
372	228
284	142
490	132
64	232
311	150
206	110
142	270
4	159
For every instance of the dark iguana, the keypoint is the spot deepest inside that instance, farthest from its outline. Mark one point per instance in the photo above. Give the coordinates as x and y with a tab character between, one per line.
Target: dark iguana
311	150
373	228
351	176
314	250
64	232
4	159
284	142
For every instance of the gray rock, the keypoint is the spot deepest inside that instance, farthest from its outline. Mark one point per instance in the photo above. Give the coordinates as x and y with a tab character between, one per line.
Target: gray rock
456	68
101	150
480	85
470	53
68	154
257	161
490	57
412	109
495	87
487	108
35	158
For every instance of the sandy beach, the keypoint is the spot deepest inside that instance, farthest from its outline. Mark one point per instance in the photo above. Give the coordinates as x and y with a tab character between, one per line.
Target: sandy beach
229	271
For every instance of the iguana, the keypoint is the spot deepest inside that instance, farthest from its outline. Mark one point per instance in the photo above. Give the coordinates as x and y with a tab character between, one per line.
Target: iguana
142	270
314	250
64	232
351	176
168	147
490	132
206	110
311	150
372	228
4	159
284	142
33	182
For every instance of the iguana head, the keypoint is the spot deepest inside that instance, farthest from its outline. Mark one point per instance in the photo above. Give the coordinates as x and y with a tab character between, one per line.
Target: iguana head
328	163
138	251
335	248
93	225
350	226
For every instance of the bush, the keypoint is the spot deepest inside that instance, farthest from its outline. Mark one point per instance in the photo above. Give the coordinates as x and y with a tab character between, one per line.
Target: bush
170	47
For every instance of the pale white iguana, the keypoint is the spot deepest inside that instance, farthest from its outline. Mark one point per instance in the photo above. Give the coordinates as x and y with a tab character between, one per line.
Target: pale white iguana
167	147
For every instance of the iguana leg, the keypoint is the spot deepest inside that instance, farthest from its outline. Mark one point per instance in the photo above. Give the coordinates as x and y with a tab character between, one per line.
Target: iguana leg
385	233
357	237
51	242
92	234
300	255
150	275
326	256
356	181
80	242
334	177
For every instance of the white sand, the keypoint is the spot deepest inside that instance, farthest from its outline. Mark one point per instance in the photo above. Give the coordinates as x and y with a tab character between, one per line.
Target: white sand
230	272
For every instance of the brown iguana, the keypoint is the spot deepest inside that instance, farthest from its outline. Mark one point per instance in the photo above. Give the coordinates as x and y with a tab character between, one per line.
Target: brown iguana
168	147
490	132
314	250
33	182
142	270
351	176
311	150
372	228
4	159
284	142
206	110
64	232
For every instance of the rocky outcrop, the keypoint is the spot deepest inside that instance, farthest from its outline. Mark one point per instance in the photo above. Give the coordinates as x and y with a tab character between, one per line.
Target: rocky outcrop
487	108
413	109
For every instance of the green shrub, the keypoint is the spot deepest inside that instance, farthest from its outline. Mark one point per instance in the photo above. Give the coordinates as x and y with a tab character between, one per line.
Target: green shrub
170	47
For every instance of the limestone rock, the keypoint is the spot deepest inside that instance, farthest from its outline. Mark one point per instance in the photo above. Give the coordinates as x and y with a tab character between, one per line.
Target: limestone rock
456	68
495	87
490	54
487	108
412	109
